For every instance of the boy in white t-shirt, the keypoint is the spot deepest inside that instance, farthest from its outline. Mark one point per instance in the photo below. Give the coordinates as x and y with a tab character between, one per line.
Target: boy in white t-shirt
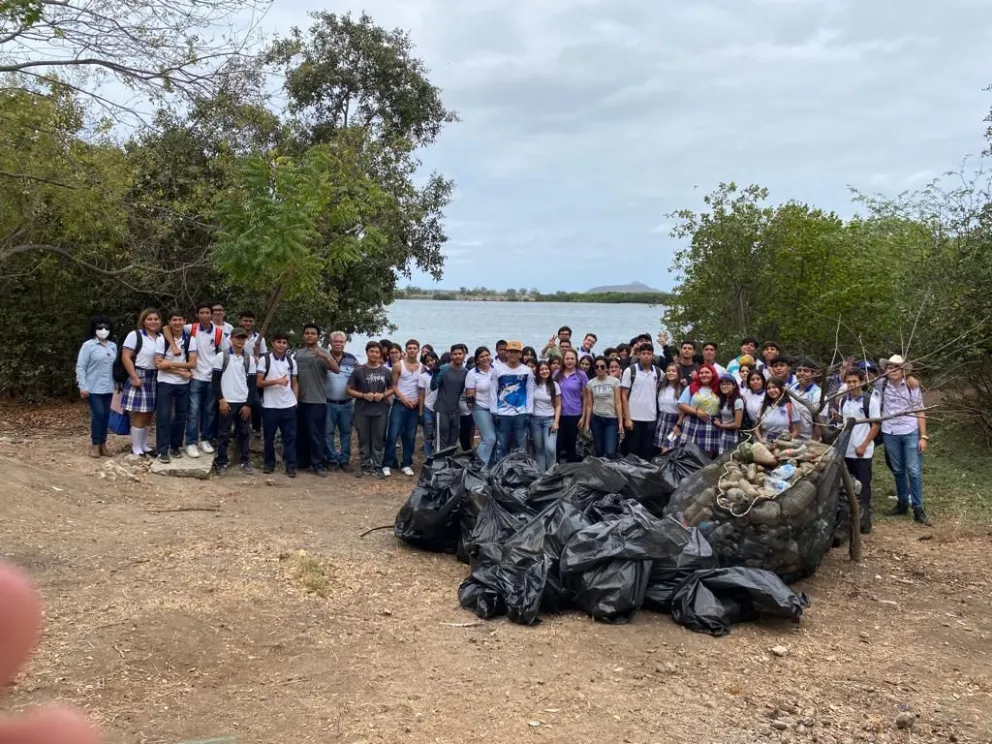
639	393
233	368
174	362
276	375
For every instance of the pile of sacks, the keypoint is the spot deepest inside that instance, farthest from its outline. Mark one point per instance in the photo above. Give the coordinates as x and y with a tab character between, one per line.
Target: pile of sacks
772	506
592	535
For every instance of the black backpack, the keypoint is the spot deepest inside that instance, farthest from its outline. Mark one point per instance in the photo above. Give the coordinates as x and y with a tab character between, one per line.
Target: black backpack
120	371
268	365
659	374
866	402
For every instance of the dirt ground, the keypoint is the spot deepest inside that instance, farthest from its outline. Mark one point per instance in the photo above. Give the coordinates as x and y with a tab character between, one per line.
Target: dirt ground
175	626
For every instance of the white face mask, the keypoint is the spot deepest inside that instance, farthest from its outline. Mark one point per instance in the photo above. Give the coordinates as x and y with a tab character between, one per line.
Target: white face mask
103	333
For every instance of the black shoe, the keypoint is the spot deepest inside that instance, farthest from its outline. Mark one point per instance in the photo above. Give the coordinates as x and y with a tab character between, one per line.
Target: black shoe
865	528
379	474
268	470
345	467
899	510
291	472
247	469
921	516
360	473
177	452
320	473
164	457
221	469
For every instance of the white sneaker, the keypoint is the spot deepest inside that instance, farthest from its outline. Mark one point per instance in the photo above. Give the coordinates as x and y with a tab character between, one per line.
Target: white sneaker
386	472
192	451
408	471
206	448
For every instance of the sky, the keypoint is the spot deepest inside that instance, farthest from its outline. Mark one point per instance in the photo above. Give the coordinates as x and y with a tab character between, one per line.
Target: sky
585	122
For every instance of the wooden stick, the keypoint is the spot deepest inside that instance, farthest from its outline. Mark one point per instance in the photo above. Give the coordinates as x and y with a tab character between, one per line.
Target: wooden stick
853	506
184	509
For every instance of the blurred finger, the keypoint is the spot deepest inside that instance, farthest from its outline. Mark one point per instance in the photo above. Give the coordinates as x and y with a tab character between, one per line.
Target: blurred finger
48	726
20	618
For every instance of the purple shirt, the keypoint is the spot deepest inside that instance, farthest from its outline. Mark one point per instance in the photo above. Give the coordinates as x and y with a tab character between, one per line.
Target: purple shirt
572	388
897	398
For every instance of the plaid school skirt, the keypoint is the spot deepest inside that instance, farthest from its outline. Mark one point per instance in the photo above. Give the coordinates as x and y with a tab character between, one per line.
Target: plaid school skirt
729	439
701	433
666	423
140	400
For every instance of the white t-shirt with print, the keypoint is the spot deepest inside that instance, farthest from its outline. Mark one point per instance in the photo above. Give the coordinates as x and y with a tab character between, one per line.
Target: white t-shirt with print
160	351
145	358
643	400
277	396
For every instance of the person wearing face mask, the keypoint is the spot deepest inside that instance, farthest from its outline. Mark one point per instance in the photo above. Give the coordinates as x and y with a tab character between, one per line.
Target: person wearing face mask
95	378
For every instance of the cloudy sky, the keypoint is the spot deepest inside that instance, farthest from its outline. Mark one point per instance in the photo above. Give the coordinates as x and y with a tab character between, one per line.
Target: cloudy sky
585	121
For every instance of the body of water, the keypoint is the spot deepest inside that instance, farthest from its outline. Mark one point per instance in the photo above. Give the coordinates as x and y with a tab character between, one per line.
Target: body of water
442	323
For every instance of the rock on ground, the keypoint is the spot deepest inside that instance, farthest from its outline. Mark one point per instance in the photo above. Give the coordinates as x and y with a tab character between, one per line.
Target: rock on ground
185	467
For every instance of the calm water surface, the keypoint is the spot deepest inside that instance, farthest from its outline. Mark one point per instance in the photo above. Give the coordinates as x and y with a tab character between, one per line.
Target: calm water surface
442	323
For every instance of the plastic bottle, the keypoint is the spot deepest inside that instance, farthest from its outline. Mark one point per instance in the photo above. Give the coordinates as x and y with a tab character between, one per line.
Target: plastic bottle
783	472
777	485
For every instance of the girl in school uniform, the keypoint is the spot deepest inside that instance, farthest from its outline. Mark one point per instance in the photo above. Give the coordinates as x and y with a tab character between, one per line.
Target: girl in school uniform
669	414
138	394
778	414
731	412
754	398
699	403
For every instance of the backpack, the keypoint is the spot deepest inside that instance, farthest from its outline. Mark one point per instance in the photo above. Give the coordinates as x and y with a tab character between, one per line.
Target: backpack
227	358
120	373
659	375
268	366
218	334
866	401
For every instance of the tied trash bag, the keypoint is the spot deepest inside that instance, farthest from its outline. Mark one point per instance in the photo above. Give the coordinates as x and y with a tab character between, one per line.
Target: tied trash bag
646	483
480	592
490	523
686	552
676	465
606	565
578	483
712	601
528	577
430	517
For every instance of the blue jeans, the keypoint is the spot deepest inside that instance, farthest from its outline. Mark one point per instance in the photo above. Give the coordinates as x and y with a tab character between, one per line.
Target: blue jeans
201	424
339	418
604	434
283	419
429	420
511	428
907	466
545	441
402	426
169	427
99	416
486	426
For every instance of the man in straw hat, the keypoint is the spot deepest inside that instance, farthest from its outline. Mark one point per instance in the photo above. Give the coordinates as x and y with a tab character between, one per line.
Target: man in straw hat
905	436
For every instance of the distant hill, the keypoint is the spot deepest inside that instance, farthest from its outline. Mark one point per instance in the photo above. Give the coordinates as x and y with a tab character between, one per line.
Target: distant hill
632	287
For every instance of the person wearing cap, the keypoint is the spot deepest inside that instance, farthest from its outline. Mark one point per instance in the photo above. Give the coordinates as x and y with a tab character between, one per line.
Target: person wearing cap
749	348
232	369
807	389
905	437
514	401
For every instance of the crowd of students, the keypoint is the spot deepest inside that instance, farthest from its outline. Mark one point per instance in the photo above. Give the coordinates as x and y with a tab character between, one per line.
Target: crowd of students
207	382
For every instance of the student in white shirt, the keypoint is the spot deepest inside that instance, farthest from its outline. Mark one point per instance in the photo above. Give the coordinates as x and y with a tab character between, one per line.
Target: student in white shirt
201	424
174	361
138	394
404	415
668	427
861	445
256	347
233	367
754	398
277	377
543	424
217	315
480	386
427	398
639	391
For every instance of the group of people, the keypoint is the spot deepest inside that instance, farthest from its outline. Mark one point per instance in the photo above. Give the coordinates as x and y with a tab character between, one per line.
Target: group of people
208	382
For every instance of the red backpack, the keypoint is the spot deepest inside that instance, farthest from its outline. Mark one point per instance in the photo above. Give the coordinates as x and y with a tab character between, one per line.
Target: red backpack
218	334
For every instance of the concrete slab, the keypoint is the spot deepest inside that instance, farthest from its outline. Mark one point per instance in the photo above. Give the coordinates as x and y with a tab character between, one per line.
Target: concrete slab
184	467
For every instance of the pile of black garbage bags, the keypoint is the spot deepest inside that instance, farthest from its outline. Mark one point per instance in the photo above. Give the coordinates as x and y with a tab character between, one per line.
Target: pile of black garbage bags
590	535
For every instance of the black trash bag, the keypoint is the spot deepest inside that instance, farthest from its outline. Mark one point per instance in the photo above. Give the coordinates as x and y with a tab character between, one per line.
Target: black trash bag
528	573
711	601
645	483
585	446
593	475
491	523
480	592
606	566
430	517
682	461
687	552
516	470
477	494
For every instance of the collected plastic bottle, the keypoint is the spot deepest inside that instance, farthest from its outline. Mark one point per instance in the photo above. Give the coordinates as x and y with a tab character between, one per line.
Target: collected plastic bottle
783	472
777	485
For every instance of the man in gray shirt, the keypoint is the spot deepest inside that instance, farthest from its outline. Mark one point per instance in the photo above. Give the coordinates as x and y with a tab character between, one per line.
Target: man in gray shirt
312	364
449	381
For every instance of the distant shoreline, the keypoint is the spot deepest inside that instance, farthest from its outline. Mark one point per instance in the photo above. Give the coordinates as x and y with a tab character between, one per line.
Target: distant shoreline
611	298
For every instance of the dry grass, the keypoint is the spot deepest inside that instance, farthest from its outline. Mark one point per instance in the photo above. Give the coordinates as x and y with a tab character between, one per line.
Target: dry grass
312	574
